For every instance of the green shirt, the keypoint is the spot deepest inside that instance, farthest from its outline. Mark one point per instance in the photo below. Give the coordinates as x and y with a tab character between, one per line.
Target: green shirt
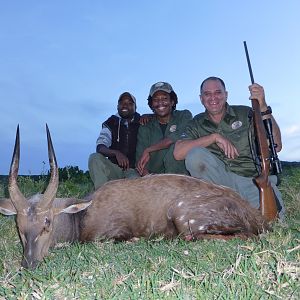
151	133
234	127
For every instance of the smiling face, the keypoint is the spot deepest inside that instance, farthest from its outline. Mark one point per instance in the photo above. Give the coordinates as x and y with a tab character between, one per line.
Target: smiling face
162	105
126	107
214	97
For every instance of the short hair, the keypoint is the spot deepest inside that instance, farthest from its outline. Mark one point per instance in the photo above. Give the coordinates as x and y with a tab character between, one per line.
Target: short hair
173	97
212	78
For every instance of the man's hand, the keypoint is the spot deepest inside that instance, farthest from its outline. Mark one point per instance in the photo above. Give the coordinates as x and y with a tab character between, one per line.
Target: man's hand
122	160
145	172
226	146
142	162
145	118
257	92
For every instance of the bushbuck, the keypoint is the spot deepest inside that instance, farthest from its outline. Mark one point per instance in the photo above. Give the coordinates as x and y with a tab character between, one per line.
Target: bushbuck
166	205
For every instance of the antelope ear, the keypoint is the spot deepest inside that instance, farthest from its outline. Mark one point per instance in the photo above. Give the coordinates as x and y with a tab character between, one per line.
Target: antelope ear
7	208
73	209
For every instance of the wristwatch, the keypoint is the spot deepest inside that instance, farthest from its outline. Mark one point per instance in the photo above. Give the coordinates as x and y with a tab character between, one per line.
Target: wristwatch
267	112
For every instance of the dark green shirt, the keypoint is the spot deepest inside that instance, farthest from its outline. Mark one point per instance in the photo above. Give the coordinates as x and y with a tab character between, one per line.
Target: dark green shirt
234	127
151	133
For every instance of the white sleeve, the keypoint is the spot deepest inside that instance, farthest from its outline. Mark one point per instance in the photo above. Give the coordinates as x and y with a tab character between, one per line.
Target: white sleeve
104	138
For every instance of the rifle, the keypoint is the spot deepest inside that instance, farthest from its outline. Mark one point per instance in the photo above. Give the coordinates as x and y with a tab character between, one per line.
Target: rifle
263	129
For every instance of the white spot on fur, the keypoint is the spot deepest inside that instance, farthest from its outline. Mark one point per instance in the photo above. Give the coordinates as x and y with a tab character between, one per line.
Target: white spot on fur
201	227
192	221
181	218
180	203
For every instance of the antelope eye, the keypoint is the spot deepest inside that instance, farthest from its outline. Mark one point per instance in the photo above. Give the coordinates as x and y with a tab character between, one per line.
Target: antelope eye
46	227
47	222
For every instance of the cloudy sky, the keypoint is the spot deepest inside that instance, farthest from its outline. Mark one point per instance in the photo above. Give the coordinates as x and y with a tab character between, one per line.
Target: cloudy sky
66	62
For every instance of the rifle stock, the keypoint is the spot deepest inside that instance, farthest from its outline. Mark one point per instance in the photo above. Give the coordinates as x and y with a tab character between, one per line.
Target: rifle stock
267	199
268	205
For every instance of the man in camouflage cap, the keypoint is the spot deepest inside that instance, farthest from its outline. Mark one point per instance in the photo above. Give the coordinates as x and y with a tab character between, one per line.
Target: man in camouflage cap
154	153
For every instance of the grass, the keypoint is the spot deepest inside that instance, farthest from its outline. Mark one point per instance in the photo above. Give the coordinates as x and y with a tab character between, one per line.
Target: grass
265	268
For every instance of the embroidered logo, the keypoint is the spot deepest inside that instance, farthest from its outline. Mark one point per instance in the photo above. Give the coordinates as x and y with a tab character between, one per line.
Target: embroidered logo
237	124
173	128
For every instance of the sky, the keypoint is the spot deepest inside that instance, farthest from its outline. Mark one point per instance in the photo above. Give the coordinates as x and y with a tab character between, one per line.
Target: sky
65	63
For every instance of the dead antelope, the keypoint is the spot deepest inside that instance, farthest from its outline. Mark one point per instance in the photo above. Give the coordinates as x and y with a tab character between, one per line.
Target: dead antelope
168	205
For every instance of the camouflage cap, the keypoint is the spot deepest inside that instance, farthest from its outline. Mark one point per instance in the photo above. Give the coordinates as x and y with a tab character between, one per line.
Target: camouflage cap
161	86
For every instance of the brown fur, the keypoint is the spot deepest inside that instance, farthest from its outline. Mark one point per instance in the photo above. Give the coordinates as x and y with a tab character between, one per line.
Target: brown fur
158	205
168	205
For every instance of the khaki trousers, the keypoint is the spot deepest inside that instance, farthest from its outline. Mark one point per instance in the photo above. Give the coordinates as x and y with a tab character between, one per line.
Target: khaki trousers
201	163
102	170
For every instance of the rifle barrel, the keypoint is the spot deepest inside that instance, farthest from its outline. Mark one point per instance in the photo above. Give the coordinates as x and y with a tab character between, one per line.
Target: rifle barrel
268	206
248	62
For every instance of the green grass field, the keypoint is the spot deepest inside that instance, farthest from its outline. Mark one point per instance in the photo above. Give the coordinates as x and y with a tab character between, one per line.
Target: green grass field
265	268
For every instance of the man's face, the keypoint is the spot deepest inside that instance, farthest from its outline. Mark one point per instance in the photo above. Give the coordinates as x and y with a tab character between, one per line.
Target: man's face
213	97
162	104
126	107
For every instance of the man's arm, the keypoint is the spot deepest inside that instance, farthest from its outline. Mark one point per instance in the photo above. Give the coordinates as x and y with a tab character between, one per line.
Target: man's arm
257	92
182	119
142	143
145	118
104	142
276	132
122	159
182	147
163	144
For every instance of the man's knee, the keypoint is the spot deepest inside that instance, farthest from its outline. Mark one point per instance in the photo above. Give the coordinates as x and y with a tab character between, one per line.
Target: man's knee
176	167
95	159
97	165
198	158
92	158
98	169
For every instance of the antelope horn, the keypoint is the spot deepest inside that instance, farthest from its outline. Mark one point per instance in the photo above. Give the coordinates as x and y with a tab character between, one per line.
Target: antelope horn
17	198
51	190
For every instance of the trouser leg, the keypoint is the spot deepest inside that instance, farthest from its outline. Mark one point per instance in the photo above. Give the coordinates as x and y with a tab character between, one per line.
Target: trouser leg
173	166
201	163
280	204
246	187
102	170
131	173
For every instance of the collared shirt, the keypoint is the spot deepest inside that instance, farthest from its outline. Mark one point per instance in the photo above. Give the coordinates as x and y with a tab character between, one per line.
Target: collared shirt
151	133
235	127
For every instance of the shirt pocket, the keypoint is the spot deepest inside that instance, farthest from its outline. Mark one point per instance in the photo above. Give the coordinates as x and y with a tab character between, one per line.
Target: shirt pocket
239	137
